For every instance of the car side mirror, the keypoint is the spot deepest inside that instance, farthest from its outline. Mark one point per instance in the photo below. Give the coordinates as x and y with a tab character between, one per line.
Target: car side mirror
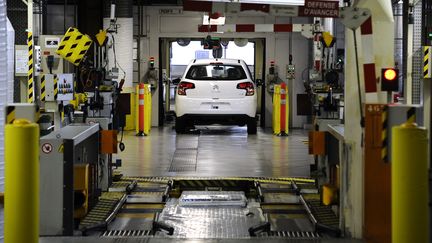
176	81
259	82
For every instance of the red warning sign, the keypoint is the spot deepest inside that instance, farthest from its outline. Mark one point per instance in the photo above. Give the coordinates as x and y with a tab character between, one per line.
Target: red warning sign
320	8
47	148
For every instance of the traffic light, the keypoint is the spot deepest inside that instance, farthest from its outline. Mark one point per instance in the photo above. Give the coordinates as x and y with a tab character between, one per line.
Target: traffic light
389	79
211	43
151	62
429	33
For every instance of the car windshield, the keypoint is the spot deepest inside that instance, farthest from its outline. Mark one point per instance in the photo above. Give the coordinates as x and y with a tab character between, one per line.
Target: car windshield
216	71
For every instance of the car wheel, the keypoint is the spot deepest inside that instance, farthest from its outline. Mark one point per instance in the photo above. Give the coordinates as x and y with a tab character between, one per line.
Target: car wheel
180	125
252	126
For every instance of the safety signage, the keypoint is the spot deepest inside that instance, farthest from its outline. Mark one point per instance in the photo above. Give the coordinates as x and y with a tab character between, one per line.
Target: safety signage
52	42
47	148
74	46
317	8
30	90
427	62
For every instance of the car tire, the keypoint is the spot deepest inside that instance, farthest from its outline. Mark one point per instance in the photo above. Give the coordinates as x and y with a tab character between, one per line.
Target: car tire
252	126
180	125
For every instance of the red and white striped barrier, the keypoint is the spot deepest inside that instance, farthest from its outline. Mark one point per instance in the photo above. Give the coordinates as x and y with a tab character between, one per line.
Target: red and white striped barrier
368	56
260	28
250	28
312	8
284	109
215	7
141	109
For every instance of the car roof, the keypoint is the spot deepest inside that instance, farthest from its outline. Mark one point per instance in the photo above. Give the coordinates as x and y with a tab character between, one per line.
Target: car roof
223	60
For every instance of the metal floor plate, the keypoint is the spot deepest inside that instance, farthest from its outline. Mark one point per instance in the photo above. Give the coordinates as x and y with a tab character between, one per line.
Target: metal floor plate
211	222
172	240
184	159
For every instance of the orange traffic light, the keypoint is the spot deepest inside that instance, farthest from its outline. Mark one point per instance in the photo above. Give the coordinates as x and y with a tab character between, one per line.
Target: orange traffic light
389	79
390	74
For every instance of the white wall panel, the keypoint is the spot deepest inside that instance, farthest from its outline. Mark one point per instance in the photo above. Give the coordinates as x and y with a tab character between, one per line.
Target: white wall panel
124	49
179	24
244	20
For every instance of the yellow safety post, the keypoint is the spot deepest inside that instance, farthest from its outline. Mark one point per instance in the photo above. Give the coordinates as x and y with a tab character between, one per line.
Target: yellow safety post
280	110
144	101
147	109
137	109
409	172
22	182
131	118
276	109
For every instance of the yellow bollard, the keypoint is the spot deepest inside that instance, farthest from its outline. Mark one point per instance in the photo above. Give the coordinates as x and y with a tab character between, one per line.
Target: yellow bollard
147	109
409	172
280	110
22	182
276	109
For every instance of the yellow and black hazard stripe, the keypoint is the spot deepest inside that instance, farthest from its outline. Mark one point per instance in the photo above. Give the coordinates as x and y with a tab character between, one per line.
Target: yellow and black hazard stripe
65	39
74	46
30	86
10	114
427	53
384	138
210	183
37	114
43	90
411	115
225	180
55	86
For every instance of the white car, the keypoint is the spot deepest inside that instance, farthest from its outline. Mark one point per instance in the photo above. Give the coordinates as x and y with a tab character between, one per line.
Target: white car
216	91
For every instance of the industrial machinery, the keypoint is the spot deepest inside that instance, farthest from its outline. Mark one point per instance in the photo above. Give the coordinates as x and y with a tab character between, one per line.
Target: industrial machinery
323	97
69	174
272	78
77	159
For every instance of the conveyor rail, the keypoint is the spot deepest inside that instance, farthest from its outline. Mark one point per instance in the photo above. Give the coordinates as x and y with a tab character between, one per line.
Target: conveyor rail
322	217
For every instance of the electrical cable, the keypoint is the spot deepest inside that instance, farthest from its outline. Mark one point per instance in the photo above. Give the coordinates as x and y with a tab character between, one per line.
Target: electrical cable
358	79
115	57
122	132
362	119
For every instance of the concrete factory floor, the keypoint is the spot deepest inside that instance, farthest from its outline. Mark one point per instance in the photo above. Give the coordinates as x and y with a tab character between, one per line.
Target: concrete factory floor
211	151
216	151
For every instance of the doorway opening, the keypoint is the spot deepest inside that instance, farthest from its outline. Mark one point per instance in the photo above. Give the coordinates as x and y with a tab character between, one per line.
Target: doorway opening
179	53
